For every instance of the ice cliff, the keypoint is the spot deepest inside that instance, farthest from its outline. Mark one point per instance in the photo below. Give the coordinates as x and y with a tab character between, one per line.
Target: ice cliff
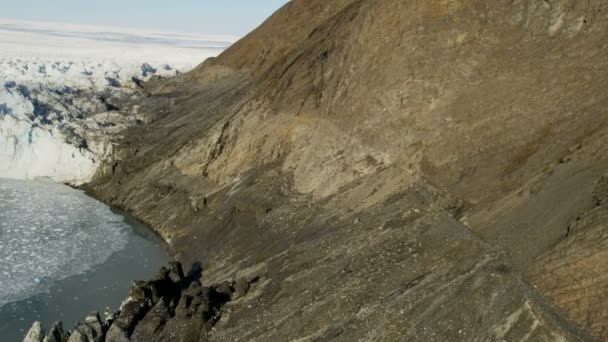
56	116
64	89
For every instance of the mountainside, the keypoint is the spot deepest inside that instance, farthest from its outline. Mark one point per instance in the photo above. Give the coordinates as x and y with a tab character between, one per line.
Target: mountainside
388	170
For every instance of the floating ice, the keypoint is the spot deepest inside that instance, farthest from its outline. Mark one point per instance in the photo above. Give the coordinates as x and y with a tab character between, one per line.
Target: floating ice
49	232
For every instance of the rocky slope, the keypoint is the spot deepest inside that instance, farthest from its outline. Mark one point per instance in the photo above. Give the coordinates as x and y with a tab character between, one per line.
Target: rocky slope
389	170
173	306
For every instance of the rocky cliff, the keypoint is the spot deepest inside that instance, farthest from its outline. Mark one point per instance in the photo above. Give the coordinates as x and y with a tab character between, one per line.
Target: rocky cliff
388	170
173	306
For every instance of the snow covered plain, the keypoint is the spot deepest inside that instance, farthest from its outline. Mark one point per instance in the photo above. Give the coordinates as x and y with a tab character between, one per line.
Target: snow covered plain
58	89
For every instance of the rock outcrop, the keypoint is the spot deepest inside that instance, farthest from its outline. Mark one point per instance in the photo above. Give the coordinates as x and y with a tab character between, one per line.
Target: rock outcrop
170	307
391	170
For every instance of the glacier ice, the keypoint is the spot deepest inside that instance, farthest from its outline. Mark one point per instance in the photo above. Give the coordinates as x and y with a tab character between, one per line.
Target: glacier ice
48	112
61	87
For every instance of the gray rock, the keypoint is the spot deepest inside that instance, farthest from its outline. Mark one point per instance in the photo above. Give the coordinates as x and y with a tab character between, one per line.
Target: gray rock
152	322
162	274
117	334
35	334
224	289
77	336
85	333
181	310
180	313
93	321
161	285
56	334
194	289
140	290
109	316
176	273
241	287
130	314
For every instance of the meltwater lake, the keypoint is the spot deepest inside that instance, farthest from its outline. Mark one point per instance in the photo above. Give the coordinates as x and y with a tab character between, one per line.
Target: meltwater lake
64	254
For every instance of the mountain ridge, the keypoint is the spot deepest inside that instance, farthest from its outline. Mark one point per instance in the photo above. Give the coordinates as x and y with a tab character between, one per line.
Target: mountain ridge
461	137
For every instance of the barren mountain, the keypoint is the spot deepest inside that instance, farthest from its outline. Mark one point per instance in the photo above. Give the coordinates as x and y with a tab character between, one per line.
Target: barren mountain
389	170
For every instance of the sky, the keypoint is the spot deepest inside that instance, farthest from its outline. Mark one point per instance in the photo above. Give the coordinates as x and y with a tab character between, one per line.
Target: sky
230	17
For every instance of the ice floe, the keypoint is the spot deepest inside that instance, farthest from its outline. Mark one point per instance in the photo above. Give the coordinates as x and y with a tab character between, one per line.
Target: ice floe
49	232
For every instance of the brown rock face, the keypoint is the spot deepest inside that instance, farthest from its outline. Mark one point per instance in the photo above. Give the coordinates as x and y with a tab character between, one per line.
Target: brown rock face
573	273
389	170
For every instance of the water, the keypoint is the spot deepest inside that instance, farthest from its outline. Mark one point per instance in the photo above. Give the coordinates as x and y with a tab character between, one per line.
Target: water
64	254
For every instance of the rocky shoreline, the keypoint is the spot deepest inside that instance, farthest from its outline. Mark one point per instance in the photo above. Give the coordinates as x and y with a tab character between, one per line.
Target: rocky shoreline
173	306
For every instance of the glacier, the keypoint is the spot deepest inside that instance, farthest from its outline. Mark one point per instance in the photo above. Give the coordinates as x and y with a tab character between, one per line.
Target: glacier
53	114
62	86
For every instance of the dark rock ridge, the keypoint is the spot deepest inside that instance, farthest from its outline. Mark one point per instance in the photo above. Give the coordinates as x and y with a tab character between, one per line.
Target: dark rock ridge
170	307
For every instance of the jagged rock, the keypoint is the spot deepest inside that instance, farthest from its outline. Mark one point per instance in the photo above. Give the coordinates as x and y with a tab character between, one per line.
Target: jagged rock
182	308
600	194
140	291
176	273
78	336
152	322
56	334
87	333
202	303
194	289
93	321
109	316
130	314
241	287
184	311
161	285
223	290
117	334
35	334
